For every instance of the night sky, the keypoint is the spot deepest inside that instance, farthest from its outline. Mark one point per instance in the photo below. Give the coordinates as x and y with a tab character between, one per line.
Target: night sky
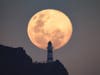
81	56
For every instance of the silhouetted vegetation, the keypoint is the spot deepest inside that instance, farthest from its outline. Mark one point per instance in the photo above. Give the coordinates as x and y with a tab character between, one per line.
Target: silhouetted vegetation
14	61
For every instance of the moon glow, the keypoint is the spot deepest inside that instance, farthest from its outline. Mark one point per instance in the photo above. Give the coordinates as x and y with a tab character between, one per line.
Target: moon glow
49	25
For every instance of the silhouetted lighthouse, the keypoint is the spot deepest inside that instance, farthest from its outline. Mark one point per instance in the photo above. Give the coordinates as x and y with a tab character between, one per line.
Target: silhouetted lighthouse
49	52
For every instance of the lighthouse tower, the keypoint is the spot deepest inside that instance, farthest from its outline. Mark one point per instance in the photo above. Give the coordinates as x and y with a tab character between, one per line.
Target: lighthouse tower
49	52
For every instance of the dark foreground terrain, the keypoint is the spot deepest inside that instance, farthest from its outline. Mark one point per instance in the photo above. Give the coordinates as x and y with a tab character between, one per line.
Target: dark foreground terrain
14	61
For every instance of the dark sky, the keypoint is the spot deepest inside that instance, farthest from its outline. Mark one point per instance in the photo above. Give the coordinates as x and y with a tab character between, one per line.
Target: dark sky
81	56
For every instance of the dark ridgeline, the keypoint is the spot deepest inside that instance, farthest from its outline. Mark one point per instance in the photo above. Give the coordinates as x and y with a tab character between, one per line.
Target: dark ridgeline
14	61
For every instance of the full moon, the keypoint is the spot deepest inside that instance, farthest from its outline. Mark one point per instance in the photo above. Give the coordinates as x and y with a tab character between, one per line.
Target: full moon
49	25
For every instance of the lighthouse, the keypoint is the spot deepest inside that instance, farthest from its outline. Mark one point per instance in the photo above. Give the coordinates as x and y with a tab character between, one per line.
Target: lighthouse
49	52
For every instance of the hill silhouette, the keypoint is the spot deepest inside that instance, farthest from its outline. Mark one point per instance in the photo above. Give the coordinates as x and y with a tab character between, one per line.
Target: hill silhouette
14	61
